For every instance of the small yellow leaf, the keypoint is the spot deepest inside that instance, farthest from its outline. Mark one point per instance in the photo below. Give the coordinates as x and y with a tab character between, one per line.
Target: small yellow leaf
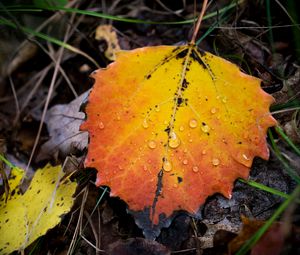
108	34
16	176
26	217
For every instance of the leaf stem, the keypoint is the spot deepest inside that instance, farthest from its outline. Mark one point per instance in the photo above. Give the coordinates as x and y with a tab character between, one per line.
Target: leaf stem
204	5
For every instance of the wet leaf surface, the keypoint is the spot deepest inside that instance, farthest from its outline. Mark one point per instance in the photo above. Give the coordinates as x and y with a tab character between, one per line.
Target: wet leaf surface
167	128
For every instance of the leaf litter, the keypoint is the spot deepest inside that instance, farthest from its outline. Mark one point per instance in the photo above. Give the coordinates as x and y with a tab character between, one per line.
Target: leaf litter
249	199
63	122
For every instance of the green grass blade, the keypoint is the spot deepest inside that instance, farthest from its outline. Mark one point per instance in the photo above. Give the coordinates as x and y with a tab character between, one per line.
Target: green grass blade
2	158
290	104
265	188
118	18
287	139
48	38
222	18
291	172
253	240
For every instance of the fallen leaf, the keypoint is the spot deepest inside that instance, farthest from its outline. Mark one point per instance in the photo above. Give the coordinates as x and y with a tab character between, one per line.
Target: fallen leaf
271	242
108	34
137	246
171	125
63	122
208	239
25	217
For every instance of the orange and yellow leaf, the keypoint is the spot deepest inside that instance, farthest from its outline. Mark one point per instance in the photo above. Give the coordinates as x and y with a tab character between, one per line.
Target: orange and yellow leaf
171	125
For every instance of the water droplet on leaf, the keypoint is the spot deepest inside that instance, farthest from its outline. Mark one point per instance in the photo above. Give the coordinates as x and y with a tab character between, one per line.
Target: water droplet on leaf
145	124
193	123
215	162
101	125
213	110
185	162
167	166
205	128
152	144
195	169
174	141
245	157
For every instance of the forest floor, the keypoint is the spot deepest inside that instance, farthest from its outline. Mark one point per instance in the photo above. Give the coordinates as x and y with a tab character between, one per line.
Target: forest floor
261	37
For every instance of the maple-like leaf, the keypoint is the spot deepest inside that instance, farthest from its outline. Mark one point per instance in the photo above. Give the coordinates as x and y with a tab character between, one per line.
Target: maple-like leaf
171	125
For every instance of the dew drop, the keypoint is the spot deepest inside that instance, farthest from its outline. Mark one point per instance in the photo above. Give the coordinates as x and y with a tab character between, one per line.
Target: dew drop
167	166
145	167
101	125
157	108
224	100
195	169
245	157
120	167
175	185
185	162
145	124
203	152
118	117
181	128
174	141
193	123
213	110
185	150
152	144
190	140
215	162
205	128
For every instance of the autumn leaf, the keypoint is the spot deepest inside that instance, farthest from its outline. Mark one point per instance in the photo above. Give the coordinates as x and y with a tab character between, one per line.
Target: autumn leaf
171	125
25	217
271	243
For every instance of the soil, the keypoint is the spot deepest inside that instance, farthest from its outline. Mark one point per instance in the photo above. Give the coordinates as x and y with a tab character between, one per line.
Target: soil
243	38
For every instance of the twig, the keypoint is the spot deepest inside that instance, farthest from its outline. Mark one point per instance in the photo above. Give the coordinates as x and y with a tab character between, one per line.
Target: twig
204	5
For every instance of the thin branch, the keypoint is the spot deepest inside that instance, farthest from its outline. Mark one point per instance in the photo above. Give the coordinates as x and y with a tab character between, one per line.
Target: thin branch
204	5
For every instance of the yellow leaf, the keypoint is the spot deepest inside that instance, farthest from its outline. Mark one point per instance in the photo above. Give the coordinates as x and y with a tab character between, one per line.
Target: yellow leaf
26	217
108	34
